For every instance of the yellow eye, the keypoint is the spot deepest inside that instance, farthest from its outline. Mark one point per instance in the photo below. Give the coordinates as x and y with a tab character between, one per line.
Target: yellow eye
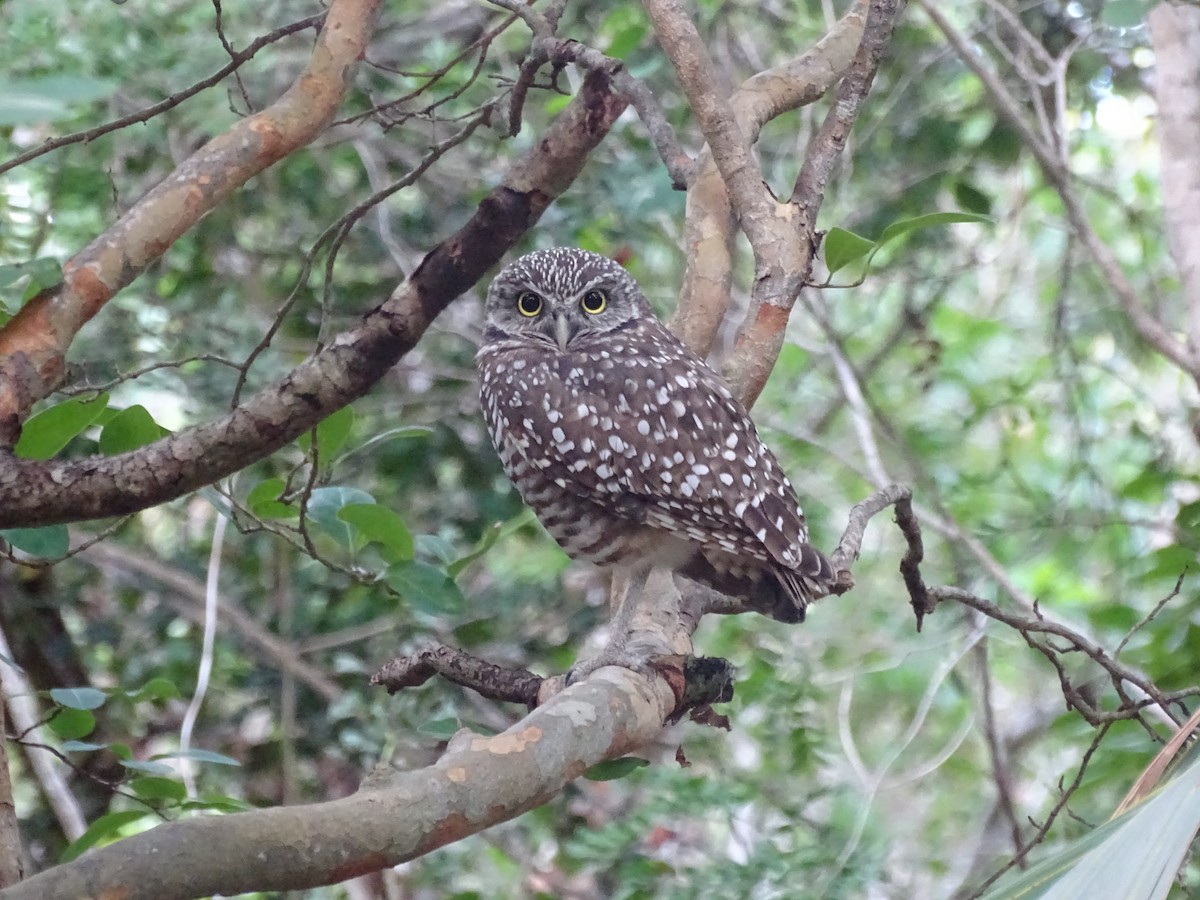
529	304
593	302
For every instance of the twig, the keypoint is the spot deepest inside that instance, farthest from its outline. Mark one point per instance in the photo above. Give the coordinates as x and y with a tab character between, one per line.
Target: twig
1030	627
492	681
147	113
826	149
1058	176
1044	829
22	707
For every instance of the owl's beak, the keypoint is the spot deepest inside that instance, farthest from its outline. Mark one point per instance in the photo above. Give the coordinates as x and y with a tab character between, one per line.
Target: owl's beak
563	332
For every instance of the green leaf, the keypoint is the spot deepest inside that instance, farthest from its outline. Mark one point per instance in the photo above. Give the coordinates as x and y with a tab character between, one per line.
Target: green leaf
612	769
323	506
217	803
157	688
81	747
129	429
72	724
147	766
43	272
1134	855
929	220
332	432
49	98
47	542
1124	13
198	755
486	540
263	500
50	430
843	247
625	27
107	826
442	729
426	588
156	787
78	698
971	198
383	526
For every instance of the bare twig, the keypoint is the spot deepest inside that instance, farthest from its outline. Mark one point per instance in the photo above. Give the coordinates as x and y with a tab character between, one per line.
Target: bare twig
1152	331
149	112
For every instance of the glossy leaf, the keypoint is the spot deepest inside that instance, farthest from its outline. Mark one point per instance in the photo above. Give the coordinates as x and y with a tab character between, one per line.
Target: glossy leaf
381	525
129	429
72	724
107	827
263	500
50	430
843	247
157	787
332	432
79	698
47	542
324	505
426	588
198	755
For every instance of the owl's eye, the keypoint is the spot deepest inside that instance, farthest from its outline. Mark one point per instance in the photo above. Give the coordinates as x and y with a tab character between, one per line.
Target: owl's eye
529	304
593	302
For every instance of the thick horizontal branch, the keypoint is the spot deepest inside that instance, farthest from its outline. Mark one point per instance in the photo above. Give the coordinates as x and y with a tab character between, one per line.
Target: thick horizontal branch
393	818
40	493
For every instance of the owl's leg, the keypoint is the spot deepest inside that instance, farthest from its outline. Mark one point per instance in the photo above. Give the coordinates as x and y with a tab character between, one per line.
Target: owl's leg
628	586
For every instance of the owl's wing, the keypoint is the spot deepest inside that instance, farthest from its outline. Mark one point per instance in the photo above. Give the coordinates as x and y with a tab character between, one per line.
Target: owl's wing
647	430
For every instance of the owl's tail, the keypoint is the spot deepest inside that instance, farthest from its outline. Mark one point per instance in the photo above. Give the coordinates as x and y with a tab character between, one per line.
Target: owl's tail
810	580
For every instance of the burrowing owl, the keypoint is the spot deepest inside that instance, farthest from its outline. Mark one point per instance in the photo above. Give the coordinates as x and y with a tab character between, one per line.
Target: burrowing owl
630	449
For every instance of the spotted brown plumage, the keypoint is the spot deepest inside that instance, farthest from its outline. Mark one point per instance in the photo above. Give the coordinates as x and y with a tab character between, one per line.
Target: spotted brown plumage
628	447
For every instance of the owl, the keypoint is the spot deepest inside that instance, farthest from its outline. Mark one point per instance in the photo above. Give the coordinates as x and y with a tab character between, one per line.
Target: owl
632	452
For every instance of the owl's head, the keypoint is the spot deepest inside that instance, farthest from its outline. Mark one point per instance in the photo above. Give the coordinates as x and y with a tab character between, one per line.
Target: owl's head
562	296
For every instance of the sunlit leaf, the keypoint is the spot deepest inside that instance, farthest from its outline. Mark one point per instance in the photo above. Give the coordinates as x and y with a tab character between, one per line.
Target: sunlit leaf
148	766
72	724
129	429
78	698
382	525
157	688
930	220
843	247
332	432
157	787
105	828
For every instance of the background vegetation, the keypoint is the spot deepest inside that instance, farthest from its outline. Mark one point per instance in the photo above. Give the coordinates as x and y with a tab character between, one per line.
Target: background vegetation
991	366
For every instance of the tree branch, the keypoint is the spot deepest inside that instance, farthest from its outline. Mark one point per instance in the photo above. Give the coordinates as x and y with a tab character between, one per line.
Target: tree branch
39	493
34	343
1058	176
394	817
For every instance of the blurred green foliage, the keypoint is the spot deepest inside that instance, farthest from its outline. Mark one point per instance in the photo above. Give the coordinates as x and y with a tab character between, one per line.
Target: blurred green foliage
1002	382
